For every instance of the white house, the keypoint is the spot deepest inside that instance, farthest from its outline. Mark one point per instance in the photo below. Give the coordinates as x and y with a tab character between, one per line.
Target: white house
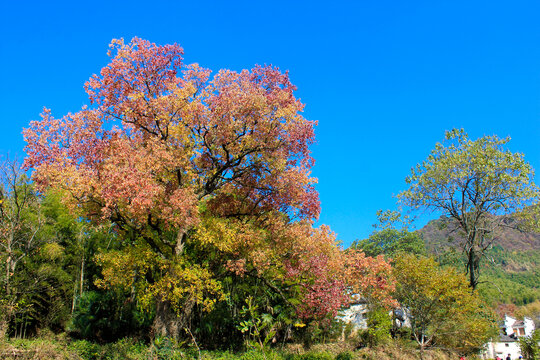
511	330
355	314
507	343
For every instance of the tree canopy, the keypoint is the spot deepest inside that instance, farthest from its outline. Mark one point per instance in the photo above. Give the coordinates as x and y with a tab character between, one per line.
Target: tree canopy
207	183
440	306
472	182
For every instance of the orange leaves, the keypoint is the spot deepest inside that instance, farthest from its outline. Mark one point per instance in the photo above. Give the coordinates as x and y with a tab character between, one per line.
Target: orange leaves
328	275
137	180
163	136
218	167
370	277
137	67
237	266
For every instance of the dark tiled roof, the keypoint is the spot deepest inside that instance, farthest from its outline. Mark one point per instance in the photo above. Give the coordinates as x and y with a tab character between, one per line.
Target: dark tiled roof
506	338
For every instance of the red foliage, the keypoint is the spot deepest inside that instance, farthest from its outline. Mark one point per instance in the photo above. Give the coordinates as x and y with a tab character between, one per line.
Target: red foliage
164	146
162	137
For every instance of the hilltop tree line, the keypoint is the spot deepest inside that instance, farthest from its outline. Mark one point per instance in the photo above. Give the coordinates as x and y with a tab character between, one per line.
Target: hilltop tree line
180	205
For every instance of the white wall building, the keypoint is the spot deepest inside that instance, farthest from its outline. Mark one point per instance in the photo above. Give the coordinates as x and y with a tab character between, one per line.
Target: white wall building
507	343
356	314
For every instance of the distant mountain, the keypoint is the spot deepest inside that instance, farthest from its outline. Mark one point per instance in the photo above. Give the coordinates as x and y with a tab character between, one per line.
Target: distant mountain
440	234
511	271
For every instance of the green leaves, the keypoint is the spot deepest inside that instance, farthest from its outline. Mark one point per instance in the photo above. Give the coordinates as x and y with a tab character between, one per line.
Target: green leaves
471	174
529	346
260	328
390	242
472	182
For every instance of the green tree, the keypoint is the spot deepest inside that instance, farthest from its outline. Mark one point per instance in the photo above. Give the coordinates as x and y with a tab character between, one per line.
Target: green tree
391	236
390	242
530	347
379	324
440	306
47	253
472	182
20	222
68	248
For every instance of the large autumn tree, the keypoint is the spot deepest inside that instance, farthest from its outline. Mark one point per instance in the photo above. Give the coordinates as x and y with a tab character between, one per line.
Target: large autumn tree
474	183
200	175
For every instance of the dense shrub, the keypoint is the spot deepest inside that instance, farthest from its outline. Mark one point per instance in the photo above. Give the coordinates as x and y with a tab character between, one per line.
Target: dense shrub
346	355
107	317
165	348
124	349
312	355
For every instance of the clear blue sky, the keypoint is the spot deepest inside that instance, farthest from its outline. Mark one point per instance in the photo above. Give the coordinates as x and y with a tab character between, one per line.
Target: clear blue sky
384	79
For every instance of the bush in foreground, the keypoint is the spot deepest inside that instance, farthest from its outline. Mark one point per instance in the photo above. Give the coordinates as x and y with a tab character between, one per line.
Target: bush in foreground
61	348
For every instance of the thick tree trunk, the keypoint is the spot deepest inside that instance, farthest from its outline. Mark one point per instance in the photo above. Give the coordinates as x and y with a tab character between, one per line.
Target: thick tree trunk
168	323
180	241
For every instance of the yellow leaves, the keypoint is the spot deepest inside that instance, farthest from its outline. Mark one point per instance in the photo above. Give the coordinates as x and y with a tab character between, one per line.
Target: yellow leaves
218	233
227	235
123	268
440	302
52	251
185	282
421	282
176	280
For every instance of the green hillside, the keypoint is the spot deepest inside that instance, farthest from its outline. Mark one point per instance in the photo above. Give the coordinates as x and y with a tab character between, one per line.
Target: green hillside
510	273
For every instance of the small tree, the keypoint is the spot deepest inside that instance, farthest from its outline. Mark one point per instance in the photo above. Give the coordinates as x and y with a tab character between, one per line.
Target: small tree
391	237
473	183
379	325
530	347
390	242
440	306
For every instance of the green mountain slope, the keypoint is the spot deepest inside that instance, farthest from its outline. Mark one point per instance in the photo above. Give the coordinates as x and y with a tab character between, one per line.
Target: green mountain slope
510	273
